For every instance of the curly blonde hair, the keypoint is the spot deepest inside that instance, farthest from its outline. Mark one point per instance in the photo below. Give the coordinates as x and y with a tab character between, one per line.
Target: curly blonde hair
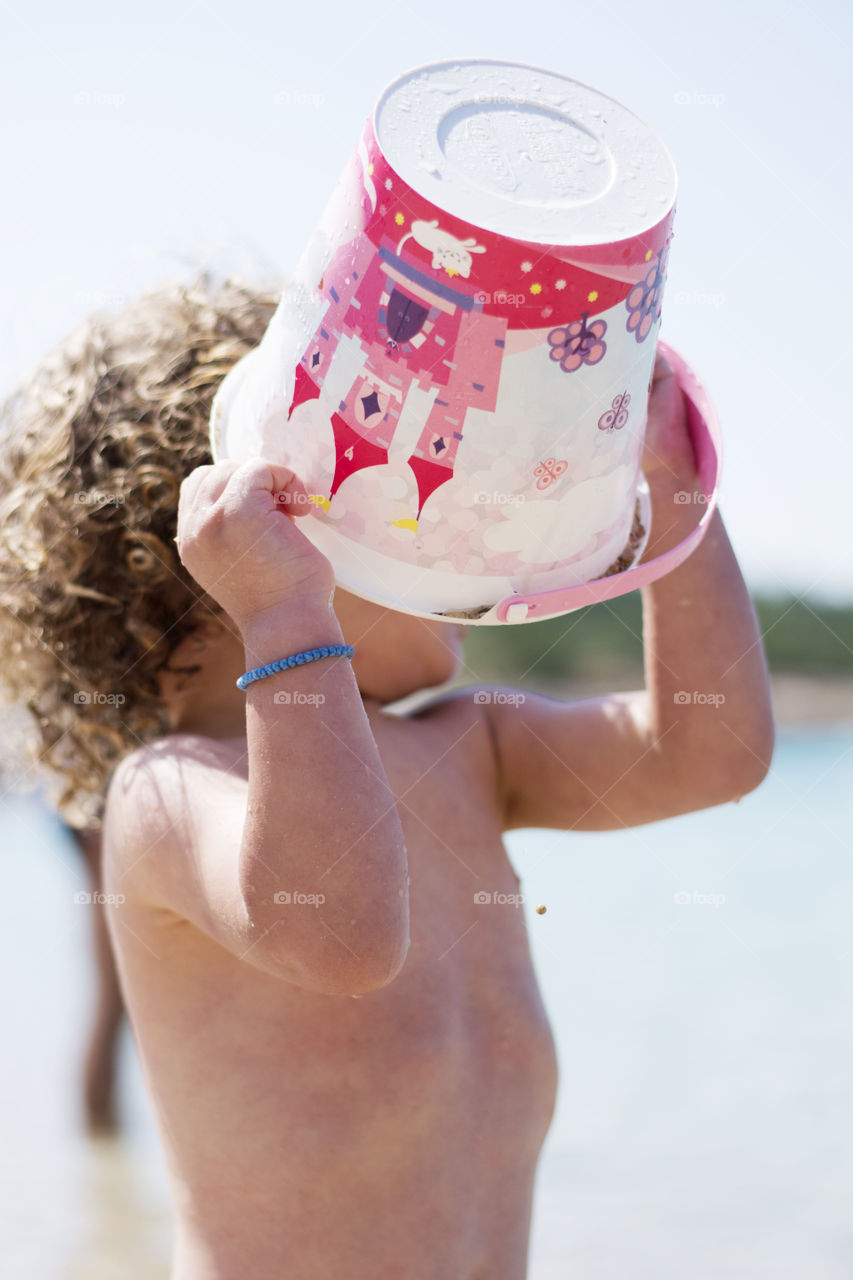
93	597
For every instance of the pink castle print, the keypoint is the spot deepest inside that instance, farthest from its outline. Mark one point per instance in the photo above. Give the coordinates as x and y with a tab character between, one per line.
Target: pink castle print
437	303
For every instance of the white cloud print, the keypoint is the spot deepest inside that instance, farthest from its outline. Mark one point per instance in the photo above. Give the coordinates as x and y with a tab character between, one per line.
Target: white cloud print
547	531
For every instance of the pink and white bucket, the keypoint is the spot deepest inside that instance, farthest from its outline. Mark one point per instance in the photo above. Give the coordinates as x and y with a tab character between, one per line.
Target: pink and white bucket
459	369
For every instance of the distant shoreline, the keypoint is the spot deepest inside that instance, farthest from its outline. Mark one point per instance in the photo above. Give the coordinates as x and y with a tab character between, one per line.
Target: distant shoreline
812	700
798	700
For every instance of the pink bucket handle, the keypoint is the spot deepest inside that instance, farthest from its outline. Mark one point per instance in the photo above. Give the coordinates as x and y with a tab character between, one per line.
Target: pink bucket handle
707	445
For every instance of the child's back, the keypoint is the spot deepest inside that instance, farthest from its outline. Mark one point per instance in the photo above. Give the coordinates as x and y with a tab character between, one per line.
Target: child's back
283	850
314	1135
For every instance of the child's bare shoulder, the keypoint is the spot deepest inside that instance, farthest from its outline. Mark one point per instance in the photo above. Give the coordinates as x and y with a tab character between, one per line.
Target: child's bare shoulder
467	706
167	796
460	710
457	721
162	770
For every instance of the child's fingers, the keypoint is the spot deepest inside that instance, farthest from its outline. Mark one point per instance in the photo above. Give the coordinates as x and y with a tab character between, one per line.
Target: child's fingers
668	444
662	364
191	487
293	498
216	481
662	368
206	483
239	483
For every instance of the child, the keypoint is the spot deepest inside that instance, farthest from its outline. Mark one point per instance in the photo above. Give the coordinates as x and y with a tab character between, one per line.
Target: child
351	1067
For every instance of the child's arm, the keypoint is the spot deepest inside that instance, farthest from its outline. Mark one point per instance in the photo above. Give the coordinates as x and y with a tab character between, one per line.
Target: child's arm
701	732
317	816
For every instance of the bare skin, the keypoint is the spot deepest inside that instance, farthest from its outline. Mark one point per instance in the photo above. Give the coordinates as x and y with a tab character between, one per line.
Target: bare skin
311	1134
99	1067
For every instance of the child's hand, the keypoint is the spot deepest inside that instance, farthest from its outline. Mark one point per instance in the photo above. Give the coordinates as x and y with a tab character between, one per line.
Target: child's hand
668	457
238	540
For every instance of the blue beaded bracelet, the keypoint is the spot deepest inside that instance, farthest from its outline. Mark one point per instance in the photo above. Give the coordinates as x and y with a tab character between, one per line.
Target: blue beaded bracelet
295	660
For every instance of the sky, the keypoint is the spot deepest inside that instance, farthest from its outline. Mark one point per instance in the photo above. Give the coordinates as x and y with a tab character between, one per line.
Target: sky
147	142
